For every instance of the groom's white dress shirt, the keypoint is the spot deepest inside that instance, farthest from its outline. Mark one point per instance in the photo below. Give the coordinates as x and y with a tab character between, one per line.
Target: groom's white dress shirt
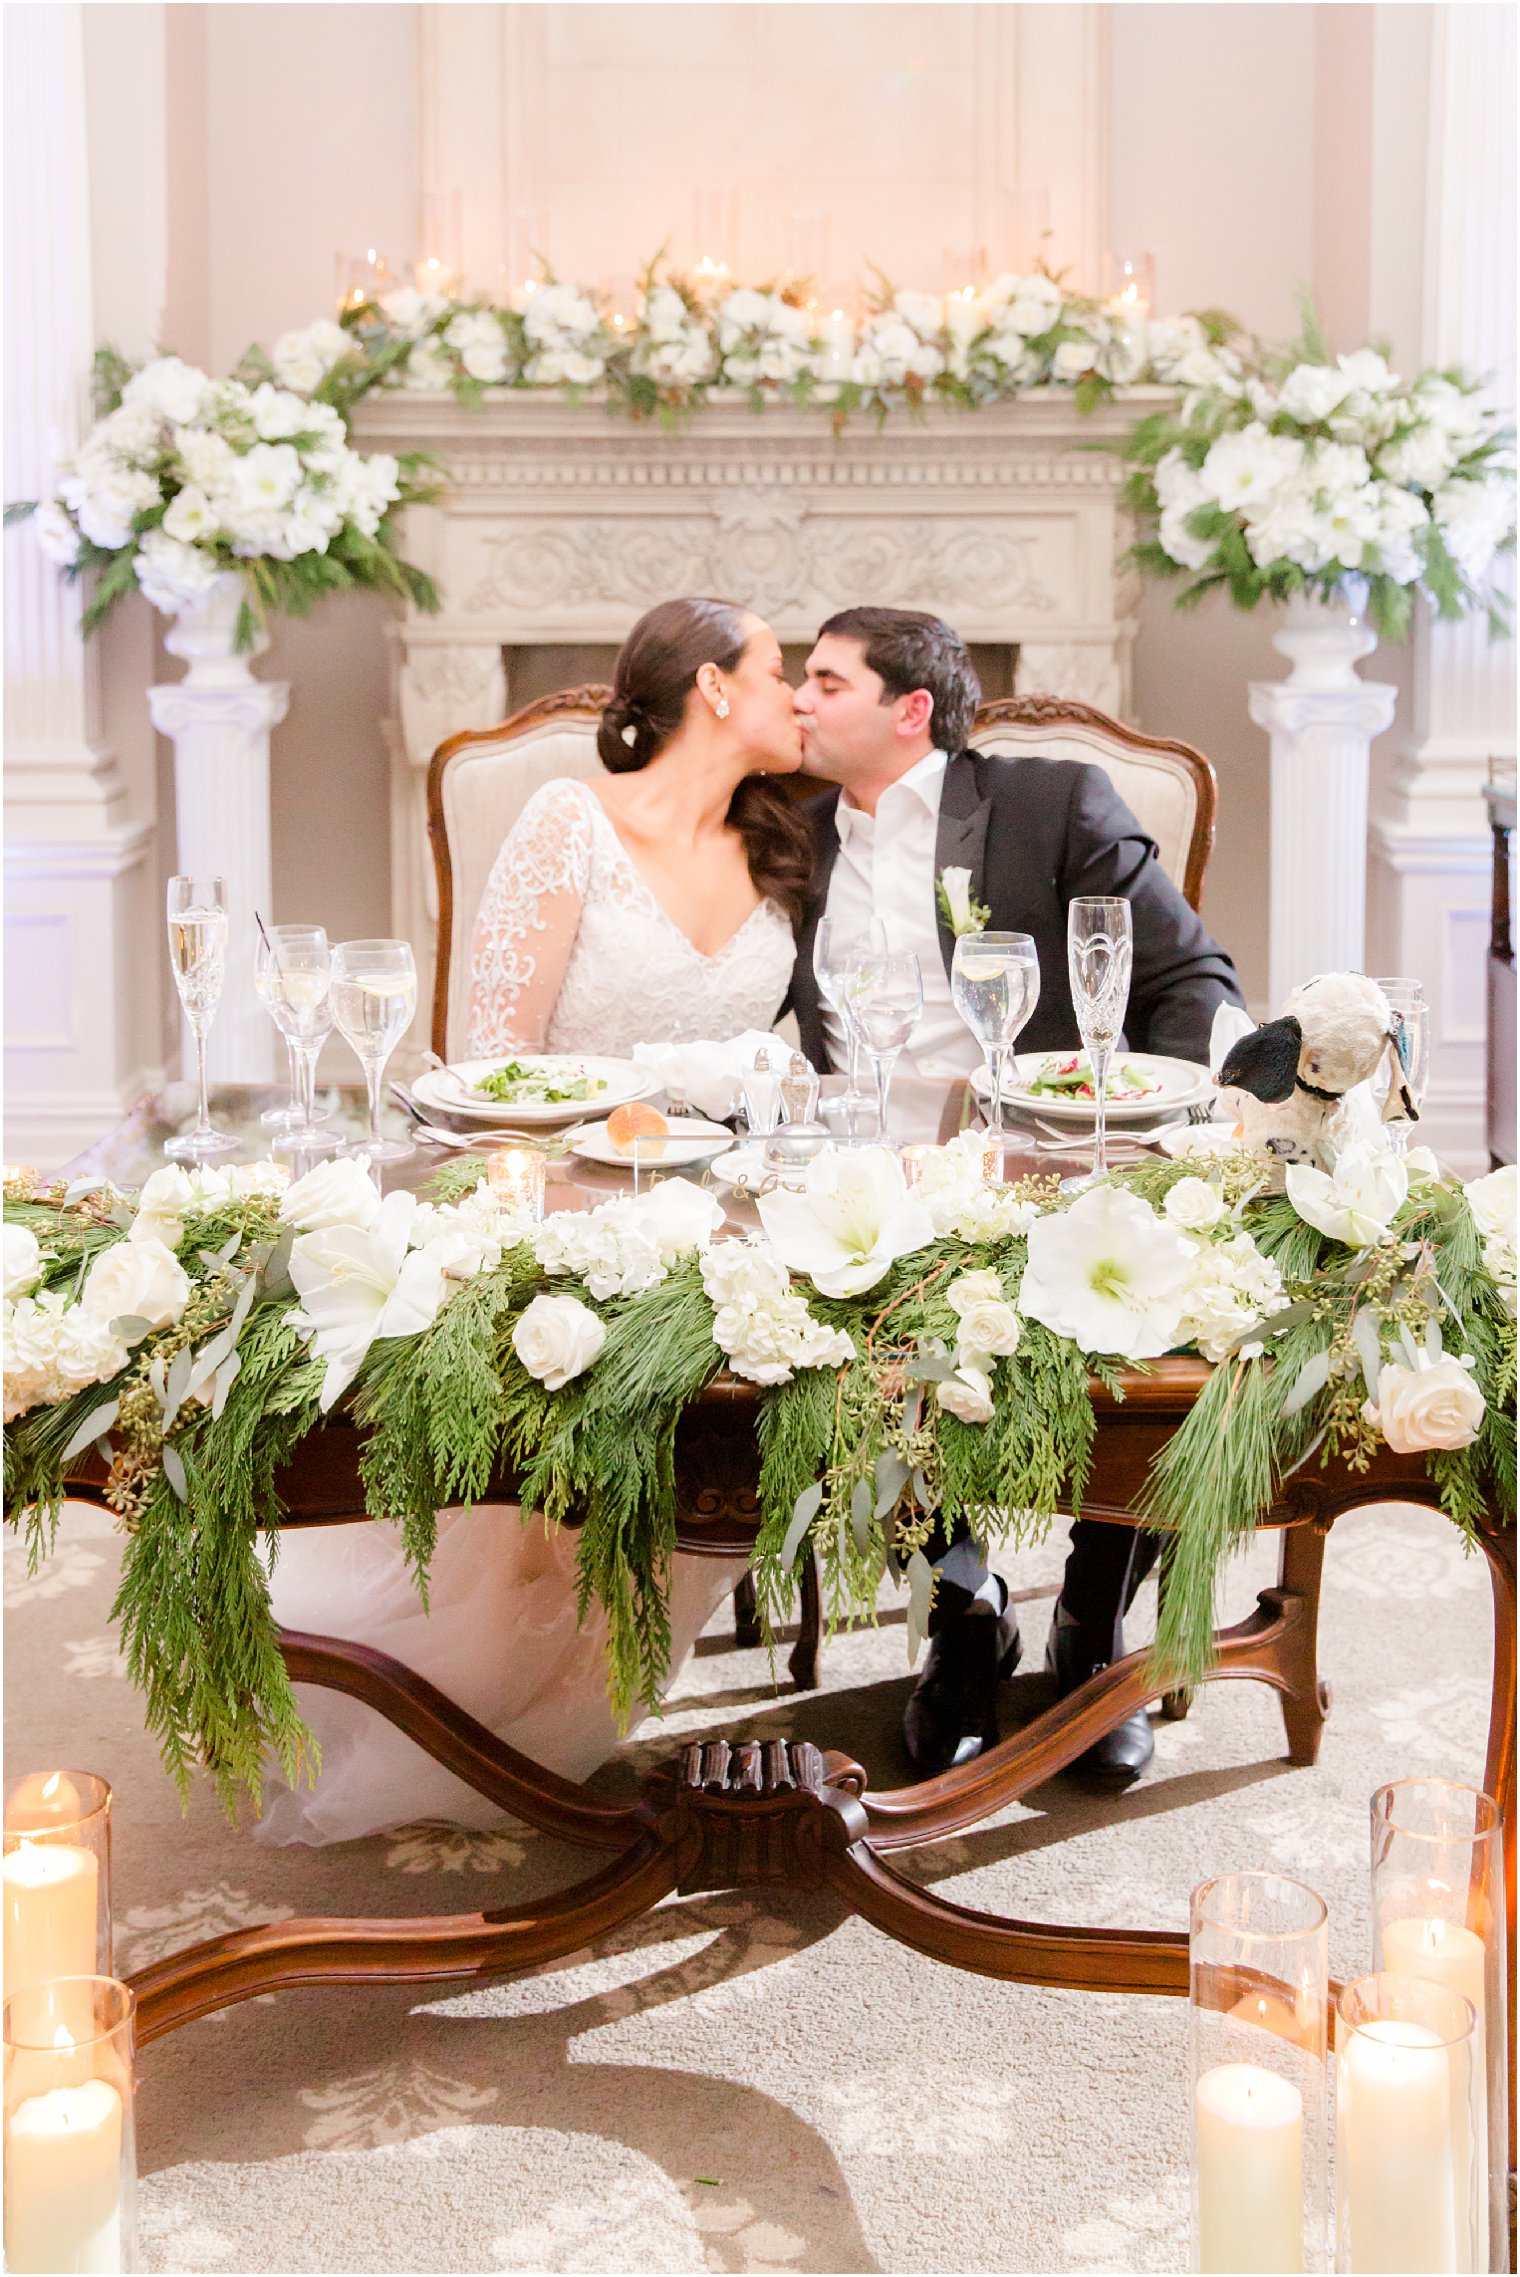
885	869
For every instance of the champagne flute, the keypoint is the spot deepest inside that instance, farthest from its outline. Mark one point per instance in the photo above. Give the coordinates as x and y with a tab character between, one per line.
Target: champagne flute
1412	1013
374	994
1099	954
883	1001
293	975
995	984
837	945
197	913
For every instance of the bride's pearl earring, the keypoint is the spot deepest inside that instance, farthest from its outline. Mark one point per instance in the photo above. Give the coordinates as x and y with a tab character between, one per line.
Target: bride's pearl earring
721	707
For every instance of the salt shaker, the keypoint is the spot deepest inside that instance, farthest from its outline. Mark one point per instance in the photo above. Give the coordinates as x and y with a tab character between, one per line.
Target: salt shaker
799	1091
762	1095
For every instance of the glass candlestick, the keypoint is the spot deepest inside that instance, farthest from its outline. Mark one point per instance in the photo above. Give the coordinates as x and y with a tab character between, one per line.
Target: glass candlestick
70	2142
1259	2008
56	1879
1438	1913
517	1176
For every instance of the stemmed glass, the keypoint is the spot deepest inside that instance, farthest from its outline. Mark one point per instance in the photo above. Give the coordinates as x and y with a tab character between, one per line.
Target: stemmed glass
1099	954
1412	1011
836	946
374	994
995	982
883	998
197	912
293	975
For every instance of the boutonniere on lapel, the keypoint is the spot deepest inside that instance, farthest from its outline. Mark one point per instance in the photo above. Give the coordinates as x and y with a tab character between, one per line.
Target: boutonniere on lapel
960	912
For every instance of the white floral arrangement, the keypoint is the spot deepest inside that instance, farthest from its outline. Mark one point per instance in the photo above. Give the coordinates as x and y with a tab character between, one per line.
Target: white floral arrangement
1329	477
185	478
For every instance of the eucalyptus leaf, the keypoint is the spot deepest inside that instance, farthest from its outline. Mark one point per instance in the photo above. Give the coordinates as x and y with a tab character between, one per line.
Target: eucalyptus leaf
210	1357
277	1266
226	1377
156	1378
174	1471
1312	1377
920	1579
861	1503
98	1420
1408	1347
176	1384
930	1368
921	1494
1434	1343
131	1327
913	1408
230	1248
77	1188
804	1510
1369	1347
891	1478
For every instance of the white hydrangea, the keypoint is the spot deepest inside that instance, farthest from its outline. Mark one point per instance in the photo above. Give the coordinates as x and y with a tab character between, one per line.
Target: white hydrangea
613	1251
173	575
901	343
477	339
170	388
471	1235
302	359
759	1321
1475	517
54	1349
1230	1289
959	1200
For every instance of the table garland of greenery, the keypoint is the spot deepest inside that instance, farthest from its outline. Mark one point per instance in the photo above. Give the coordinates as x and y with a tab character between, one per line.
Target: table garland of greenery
855	1461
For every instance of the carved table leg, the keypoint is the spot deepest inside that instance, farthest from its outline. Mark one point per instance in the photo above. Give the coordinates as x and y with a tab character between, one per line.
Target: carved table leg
1499	1770
803	1662
1305	1695
747	1629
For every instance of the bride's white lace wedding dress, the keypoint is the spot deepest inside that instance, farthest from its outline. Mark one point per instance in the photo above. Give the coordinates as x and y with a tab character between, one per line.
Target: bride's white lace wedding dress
501	1637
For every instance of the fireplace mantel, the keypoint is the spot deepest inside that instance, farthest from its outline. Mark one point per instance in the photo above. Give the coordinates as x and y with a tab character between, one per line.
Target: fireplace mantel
563	522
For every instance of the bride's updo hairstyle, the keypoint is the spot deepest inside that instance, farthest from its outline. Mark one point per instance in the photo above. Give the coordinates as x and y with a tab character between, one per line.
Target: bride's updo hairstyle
653	678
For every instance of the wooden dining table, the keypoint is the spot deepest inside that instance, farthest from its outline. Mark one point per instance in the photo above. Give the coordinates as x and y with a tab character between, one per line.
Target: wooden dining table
730	1812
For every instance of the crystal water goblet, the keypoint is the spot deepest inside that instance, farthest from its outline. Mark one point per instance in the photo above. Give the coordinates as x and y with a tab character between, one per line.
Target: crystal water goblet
1411	1009
1099	954
995	985
836	946
374	995
197	916
883	1001
293	975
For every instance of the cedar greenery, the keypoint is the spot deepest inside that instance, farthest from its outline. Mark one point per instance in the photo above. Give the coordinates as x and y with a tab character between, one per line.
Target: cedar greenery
853	1463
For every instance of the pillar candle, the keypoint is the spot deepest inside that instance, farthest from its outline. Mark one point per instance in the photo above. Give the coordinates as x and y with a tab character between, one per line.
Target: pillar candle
43	1798
1394	2148
1250	2153
838	335
51	1893
1443	1952
63	2180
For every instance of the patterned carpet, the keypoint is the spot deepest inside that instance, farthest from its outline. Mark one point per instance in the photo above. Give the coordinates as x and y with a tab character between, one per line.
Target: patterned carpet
735	2084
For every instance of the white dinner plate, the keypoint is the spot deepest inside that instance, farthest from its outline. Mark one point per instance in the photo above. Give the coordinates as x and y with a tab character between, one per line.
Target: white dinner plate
1179	1083
690	1140
453	1090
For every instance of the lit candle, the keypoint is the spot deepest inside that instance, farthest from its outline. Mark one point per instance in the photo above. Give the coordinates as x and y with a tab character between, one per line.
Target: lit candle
43	1798
1250	2152
63	2180
838	336
962	316
1394	2148
913	1159
517	1179
1443	1952
1129	313
51	1902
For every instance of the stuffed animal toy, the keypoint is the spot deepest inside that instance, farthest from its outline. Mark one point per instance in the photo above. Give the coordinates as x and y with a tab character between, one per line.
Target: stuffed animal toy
1293	1072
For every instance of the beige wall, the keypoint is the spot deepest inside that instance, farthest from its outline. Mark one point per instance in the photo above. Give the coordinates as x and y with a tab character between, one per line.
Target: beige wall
295	135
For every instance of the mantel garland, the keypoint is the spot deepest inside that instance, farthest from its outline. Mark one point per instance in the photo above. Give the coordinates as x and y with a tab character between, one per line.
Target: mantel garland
916	1351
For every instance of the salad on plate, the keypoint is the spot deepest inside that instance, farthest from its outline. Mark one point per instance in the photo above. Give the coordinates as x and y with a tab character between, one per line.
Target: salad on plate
538	1083
1068	1077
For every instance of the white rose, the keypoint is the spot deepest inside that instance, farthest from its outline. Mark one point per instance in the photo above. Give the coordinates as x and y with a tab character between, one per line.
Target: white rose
1436	1404
1312	391
162	1207
967	1395
175	390
23	1262
1492	1202
335	1193
140	1278
678	1216
1194	1205
988	1322
1073	358
556	1338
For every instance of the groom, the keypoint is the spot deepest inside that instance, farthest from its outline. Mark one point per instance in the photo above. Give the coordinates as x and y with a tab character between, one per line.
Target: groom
886	711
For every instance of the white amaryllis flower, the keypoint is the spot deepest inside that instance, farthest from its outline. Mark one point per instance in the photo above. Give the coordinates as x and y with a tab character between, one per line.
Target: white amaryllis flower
955	884
1246	468
335	1193
852	1219
967	1395
358	1284
1356	1202
1435	1404
557	1338
759	1321
23	1262
1108	1273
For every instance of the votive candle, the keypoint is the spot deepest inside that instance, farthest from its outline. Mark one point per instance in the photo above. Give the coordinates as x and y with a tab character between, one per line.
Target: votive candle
517	1175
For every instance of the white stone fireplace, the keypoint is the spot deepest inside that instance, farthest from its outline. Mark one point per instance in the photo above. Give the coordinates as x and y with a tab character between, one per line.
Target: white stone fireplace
562	524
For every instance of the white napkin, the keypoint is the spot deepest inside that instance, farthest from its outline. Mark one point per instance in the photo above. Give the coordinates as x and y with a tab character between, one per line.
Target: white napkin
708	1075
1231	1022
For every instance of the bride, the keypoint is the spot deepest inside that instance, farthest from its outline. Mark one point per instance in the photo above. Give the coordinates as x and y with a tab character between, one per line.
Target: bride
657	904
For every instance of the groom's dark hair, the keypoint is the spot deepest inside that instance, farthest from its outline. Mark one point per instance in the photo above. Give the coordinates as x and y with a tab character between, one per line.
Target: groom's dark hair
908	649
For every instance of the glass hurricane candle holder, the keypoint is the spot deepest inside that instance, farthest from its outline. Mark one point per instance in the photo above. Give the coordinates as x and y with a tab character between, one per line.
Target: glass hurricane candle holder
1438	1912
70	2147
1408	2146
1258	1998
517	1175
56	1878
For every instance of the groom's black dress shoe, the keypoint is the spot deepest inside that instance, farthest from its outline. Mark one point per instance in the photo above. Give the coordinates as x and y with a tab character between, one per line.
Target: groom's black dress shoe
951	1713
1072	1655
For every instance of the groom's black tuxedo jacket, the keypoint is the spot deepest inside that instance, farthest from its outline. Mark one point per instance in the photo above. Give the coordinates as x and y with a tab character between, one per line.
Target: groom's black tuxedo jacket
1035	834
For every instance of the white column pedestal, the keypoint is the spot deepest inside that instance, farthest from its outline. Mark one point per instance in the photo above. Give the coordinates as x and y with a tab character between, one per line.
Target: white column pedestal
1321	721
221	781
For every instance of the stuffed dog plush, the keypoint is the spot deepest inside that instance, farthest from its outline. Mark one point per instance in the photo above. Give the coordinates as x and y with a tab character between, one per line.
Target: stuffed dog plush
1293	1072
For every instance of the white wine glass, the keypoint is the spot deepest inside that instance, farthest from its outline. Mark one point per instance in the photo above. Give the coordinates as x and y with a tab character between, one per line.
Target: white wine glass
374	994
995	985
1099	953
1411	1010
836	946
883	1000
293	974
197	915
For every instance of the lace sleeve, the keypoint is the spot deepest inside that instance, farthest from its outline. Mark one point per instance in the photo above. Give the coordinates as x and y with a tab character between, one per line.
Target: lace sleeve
528	919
